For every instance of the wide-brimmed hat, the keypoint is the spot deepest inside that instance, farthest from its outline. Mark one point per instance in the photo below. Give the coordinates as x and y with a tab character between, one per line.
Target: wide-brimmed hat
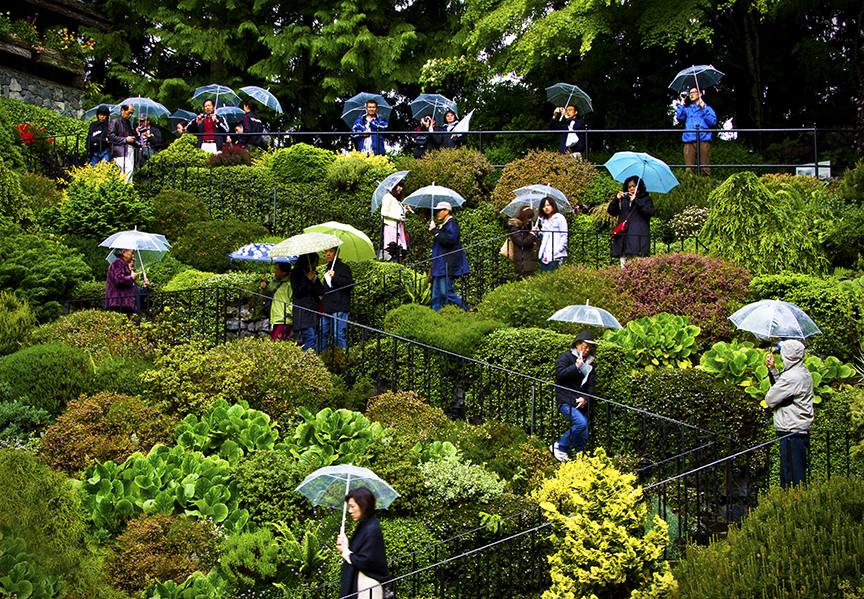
583	336
443	206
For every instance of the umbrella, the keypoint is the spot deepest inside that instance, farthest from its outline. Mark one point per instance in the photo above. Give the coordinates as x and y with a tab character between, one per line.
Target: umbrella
305	243
427	197
89	114
566	94
356	106
150	247
587	314
259	252
329	485
181	116
434	105
654	172
546	191
533	200
464	124
232	114
773	318
698	76
386	186
220	94
151	108
263	96
356	245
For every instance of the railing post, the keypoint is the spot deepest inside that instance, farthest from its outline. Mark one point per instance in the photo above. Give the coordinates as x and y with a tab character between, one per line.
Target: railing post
816	150
480	139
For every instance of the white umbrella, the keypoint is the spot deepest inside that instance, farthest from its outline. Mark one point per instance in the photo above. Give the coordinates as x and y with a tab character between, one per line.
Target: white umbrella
153	245
305	243
775	319
587	314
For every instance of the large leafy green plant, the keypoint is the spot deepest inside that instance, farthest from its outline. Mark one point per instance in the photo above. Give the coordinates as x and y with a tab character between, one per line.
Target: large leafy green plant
19	577
227	431
333	437
660	341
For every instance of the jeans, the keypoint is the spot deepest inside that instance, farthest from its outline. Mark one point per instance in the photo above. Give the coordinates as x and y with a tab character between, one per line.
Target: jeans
103	156
339	328
443	293
793	459
307	336
550	267
576	438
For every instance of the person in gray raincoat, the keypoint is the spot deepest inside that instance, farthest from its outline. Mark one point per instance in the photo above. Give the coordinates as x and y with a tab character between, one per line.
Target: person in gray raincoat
791	399
634	205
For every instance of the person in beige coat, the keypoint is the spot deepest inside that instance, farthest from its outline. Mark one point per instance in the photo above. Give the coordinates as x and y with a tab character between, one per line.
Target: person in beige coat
791	399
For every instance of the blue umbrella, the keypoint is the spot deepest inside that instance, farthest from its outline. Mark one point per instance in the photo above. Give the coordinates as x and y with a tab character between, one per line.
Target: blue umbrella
655	173
232	114
698	76
385	186
356	106
259	252
434	105
151	108
567	94
263	97
220	94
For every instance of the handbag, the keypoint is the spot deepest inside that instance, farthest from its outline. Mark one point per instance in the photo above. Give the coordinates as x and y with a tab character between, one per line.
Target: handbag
507	249
622	226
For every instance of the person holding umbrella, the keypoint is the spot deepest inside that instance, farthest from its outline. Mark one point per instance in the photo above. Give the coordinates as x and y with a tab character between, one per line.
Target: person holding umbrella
523	242
338	282
634	209
448	258
575	379
695	114
281	320
123	141
120	287
253	127
449	138
568	120
307	291
364	556
207	125
553	233
393	213
366	138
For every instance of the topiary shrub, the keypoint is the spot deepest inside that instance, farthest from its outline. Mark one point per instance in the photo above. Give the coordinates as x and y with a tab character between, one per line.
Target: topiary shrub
456	332
598	523
463	170
266	483
174	211
100	202
16	323
103	427
160	547
301	163
692	190
407	414
44	508
183	152
206	245
100	333
529	351
572	177
760	231
704	290
358	172
188	278
49	376
807	541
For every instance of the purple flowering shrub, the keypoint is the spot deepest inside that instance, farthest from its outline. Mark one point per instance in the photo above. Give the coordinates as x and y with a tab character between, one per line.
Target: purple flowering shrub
705	290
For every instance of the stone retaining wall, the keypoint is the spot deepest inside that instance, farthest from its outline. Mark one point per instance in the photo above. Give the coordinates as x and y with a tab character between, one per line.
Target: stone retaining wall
64	100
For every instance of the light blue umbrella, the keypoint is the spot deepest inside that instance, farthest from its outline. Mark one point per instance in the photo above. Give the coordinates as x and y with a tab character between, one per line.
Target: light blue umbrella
769	319
263	97
220	94
356	106
232	114
386	186
434	105
655	173
427	197
259	252
151	108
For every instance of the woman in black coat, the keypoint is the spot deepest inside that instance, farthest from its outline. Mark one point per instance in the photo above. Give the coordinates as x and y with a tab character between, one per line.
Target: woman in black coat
634	205
306	291
365	560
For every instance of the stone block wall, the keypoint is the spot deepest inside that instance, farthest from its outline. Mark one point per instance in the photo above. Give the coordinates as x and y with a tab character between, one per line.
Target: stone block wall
64	100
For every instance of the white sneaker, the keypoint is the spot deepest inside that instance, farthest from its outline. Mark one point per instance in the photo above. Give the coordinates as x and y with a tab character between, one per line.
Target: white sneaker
561	456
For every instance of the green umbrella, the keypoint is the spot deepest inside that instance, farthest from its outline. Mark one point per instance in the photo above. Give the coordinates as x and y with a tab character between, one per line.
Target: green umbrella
356	245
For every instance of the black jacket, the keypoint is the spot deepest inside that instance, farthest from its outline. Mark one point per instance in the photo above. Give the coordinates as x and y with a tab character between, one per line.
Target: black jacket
446	140
568	375
219	125
338	297
252	124
305	294
367	556
636	238
97	137
578	129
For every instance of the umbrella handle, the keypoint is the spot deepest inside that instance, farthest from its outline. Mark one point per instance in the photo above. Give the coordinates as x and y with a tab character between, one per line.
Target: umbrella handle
345	504
143	272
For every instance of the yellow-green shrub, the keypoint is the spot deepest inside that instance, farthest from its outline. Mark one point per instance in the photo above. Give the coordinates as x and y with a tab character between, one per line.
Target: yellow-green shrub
16	323
572	177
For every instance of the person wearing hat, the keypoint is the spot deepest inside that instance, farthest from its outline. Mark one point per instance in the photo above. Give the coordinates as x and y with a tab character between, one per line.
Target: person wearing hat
575	377
791	400
98	147
448	258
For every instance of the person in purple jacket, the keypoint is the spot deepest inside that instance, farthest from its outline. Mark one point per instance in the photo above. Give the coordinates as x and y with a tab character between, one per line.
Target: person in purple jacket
120	284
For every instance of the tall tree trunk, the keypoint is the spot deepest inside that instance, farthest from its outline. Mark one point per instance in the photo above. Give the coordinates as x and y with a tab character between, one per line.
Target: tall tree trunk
754	65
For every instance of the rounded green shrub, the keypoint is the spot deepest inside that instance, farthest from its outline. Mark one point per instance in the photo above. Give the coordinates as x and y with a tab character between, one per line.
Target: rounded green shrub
103	427
852	188
206	245
408	414
301	163
161	273
451	480
463	170
456	332
181	153
41	192
266	483
187	278
572	177
98	332
50	376
174	211
16	323
529	351
15	207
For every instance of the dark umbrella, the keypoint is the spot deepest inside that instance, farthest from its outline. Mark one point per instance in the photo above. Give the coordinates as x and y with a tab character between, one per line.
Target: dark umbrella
357	106
434	105
566	94
698	76
91	113
181	116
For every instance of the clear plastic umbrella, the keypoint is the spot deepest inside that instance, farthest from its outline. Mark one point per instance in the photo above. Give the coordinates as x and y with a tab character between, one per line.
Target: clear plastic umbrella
91	113
586	314
151	108
150	247
356	106
434	105
698	76
386	186
427	197
769	319
181	116
529	191
566	94
328	486
231	114
263	97
220	94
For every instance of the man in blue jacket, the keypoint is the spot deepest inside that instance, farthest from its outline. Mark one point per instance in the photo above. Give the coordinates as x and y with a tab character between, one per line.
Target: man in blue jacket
366	138
448	258
695	114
